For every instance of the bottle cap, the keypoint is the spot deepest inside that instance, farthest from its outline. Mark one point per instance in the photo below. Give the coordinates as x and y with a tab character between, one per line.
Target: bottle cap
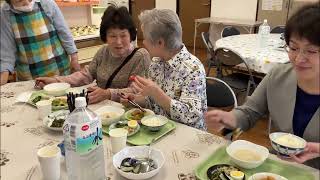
265	20
80	102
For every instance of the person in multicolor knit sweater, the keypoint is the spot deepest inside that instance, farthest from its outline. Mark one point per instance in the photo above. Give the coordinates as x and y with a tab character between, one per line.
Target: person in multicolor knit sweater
35	40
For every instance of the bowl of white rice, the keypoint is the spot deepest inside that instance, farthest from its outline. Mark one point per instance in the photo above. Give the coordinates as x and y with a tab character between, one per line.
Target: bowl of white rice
286	143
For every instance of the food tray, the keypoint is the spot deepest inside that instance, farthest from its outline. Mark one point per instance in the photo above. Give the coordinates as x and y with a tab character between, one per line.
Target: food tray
221	157
144	136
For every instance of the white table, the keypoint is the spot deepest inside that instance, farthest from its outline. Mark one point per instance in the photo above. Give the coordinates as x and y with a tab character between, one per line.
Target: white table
259	59
246	24
22	134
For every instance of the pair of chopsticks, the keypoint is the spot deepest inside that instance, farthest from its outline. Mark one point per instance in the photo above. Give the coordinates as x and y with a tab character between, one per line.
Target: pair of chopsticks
71	99
231	134
236	134
131	102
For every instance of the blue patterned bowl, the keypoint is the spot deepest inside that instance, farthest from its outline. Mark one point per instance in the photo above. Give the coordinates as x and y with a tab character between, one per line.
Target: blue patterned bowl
294	146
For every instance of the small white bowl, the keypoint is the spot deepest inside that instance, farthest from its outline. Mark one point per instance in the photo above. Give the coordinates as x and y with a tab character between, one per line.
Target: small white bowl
264	175
56	89
138	151
283	149
157	119
103	111
246	145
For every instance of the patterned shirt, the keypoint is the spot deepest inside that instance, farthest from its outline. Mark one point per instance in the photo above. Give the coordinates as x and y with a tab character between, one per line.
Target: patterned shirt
182	78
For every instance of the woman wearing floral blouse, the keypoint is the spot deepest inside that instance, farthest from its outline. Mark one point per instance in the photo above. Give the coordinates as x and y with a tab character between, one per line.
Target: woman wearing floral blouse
176	87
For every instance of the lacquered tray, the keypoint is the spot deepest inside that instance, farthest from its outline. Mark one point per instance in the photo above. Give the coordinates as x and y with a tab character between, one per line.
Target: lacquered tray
221	157
144	136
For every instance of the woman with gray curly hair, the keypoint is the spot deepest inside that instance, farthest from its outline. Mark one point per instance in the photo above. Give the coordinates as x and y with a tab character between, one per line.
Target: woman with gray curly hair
176	86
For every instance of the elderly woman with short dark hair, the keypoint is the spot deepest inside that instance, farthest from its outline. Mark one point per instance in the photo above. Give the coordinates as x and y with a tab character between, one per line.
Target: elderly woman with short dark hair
114	63
176	87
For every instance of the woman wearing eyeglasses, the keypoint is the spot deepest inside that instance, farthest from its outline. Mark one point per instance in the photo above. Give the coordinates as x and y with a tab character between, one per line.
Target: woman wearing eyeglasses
290	93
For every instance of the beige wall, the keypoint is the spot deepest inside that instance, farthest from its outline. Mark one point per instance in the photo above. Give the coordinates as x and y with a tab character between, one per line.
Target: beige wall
234	9
74	16
166	4
297	4
77	16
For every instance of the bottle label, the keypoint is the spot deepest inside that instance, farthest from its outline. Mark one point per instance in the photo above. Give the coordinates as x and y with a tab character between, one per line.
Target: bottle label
83	138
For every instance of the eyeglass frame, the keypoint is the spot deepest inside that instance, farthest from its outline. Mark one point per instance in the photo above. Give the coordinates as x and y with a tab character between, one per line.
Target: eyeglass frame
305	52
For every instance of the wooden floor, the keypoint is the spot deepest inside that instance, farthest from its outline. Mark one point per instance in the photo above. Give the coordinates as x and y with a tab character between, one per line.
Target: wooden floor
258	134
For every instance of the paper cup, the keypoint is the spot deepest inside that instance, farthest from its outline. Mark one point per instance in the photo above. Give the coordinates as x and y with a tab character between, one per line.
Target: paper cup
44	108
118	138
49	158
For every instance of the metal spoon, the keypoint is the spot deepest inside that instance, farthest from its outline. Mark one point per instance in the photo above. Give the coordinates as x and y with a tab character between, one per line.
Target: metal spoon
146	165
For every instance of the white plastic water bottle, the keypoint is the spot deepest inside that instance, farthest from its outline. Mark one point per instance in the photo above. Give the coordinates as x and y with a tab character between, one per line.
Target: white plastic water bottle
264	32
83	144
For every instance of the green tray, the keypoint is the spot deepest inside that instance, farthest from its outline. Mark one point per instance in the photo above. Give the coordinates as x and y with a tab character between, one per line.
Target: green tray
144	136
221	157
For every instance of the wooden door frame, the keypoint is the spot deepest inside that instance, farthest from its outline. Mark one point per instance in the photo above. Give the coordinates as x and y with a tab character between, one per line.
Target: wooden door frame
135	18
199	45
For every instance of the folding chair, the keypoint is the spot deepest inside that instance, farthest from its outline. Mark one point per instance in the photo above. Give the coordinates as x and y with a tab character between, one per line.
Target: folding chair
278	29
219	93
229	31
210	50
227	60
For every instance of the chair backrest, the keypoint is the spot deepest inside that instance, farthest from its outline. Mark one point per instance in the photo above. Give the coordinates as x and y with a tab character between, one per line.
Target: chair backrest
229	31
227	58
207	42
219	93
278	29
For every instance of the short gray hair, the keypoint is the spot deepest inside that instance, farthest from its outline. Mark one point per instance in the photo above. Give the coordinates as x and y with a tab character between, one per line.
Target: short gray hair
162	23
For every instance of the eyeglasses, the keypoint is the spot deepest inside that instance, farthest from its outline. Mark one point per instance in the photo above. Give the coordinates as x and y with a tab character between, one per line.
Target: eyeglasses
305	52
